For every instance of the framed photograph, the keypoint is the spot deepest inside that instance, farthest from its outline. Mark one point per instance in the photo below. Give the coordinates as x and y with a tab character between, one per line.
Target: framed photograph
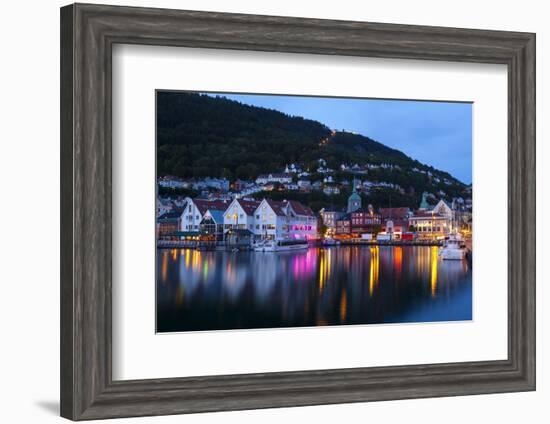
268	211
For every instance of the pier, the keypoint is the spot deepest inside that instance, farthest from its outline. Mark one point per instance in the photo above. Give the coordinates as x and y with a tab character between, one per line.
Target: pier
224	246
354	242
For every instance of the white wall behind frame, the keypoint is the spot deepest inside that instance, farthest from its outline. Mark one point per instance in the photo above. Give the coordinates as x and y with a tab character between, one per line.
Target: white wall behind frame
139	70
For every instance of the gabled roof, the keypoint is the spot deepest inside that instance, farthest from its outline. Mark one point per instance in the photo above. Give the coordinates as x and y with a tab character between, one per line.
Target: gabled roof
249	206
280	207
449	205
300	209
212	205
169	215
394	213
217	215
277	206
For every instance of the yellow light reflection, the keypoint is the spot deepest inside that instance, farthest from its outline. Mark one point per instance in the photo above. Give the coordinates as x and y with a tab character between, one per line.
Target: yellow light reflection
433	273
374	264
343	306
322	272
196	261
329	263
205	269
187	258
164	267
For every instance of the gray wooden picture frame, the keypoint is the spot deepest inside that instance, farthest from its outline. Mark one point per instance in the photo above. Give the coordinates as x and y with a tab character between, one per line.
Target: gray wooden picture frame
88	33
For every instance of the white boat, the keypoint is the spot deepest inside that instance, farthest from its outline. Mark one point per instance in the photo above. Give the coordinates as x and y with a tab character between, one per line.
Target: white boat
453	248
329	241
281	245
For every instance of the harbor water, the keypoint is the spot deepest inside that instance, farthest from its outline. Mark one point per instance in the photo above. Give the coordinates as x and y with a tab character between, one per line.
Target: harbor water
339	285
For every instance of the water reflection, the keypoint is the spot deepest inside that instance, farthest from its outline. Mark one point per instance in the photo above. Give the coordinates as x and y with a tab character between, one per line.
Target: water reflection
321	286
374	266
433	270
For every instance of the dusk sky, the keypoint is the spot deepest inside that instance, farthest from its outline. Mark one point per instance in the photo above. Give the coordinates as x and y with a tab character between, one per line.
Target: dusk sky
435	133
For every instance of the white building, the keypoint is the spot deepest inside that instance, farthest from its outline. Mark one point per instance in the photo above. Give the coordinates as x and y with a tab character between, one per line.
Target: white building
329	217
282	178
215	183
172	182
435	223
331	189
445	209
164	206
286	219
293	168
430	225
304	184
240	215
194	211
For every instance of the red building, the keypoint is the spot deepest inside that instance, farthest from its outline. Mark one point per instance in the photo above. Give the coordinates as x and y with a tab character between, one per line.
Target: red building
395	220
343	226
360	221
365	220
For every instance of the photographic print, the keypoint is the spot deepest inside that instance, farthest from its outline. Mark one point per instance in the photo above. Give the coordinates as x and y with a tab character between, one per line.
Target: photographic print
304	211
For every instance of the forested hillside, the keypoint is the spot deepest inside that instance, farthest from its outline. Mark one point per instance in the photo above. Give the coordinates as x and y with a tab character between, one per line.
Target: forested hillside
200	135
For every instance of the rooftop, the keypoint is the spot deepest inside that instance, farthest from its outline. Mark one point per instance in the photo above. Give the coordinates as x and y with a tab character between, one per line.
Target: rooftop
397	213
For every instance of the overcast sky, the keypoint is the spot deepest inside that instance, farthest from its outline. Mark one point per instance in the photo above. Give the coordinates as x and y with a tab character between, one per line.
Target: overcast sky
435	133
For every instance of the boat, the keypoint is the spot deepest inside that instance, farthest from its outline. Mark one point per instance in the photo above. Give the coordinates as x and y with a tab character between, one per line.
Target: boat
281	245
453	248
329	241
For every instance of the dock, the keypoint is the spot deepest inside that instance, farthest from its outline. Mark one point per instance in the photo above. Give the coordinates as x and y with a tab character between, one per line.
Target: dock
224	246
355	242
